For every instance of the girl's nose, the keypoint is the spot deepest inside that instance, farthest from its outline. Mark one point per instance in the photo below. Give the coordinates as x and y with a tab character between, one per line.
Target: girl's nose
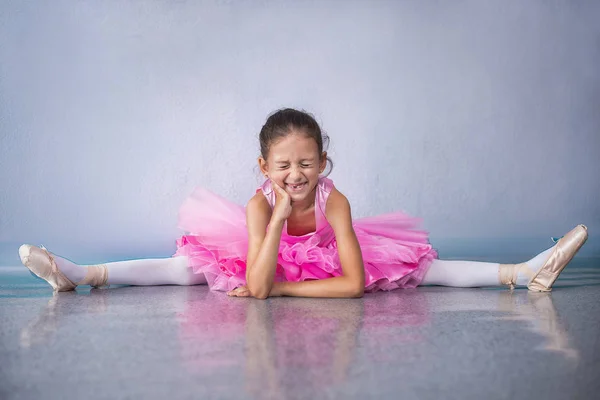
295	172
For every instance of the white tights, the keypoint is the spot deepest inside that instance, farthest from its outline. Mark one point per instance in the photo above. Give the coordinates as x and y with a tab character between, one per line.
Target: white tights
144	272
475	273
461	273
161	271
175	271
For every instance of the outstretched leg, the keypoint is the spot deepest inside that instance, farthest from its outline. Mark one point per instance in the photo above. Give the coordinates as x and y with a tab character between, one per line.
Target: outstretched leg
477	274
538	274
64	275
142	272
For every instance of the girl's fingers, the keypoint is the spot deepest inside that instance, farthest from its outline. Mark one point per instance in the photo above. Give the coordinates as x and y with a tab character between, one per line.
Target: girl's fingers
279	190
241	291
277	187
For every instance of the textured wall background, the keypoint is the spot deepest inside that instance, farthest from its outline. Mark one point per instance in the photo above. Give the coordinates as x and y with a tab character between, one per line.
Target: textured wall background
480	117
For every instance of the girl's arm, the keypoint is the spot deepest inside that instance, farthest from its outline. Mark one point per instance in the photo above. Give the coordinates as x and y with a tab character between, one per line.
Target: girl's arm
263	246
352	282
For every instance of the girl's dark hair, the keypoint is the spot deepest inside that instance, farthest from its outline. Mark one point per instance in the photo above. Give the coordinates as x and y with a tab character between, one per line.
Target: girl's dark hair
283	122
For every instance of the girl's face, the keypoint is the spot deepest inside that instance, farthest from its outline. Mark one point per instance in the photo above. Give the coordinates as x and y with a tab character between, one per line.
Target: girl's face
294	164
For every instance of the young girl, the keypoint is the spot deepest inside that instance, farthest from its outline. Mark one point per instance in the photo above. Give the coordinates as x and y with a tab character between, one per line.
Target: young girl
296	237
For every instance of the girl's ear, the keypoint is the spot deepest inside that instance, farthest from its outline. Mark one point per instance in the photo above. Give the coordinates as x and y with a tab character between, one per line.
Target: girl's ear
323	162
262	164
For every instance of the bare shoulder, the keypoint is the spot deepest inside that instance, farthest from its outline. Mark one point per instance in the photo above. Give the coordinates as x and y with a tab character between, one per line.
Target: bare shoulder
258	214
258	206
338	207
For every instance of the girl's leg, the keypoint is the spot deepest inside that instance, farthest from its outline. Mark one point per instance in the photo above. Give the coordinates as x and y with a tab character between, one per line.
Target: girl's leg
144	272
477	274
148	272
538	274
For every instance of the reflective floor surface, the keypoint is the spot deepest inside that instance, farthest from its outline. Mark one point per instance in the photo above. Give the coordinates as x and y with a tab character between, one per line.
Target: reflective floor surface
172	342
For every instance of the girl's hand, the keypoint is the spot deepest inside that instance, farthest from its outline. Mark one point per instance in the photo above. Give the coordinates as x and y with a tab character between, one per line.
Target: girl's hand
241	291
283	203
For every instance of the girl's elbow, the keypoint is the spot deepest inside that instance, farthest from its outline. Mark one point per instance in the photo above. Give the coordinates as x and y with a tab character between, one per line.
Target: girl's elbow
260	292
261	295
357	292
356	288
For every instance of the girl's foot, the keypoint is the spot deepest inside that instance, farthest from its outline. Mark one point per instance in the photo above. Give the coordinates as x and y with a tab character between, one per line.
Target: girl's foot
540	273
46	266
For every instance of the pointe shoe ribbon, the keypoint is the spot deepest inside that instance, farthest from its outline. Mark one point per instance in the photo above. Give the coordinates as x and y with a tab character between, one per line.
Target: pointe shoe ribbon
563	252
508	273
96	277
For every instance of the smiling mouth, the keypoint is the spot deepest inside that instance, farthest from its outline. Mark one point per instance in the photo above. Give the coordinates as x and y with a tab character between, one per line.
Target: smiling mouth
296	188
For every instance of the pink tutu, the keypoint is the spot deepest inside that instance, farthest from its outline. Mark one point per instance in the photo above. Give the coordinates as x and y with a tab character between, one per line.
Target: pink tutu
395	253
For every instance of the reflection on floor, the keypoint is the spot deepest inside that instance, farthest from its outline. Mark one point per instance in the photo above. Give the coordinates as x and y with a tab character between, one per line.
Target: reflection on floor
187	342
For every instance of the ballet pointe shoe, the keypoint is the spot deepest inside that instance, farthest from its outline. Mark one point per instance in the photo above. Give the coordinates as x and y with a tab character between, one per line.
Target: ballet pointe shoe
41	263
544	278
562	254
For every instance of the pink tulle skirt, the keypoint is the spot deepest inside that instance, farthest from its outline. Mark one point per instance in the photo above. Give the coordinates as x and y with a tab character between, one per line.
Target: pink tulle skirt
395	253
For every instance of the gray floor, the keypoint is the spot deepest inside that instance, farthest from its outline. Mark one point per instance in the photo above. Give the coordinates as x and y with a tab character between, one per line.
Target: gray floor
187	342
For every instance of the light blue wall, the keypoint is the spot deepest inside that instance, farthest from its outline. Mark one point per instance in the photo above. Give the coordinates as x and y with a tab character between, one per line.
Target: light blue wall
483	118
